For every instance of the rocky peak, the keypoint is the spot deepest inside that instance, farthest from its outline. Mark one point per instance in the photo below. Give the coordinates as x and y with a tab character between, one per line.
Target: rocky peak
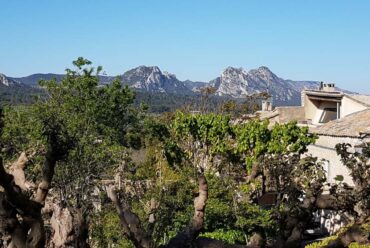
264	69
234	72
152	79
169	75
262	73
230	72
4	80
142	71
233	81
237	82
231	69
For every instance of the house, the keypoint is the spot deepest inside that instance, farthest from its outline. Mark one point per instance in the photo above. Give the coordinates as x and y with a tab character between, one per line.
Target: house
327	104
335	116
353	129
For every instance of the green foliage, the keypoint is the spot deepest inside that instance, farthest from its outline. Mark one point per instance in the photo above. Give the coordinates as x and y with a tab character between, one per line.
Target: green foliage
366	225
326	242
275	155
85	127
1	121
19	95
227	217
248	141
358	164
160	103
322	243
230	219
163	177
339	178
255	139
158	134
77	102
357	245
289	138
92	129
251	140
173	189
173	153
210	130
90	126
106	230
175	211
228	236
251	217
22	130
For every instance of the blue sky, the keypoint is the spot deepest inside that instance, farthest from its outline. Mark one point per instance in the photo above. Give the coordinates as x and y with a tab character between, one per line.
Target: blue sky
194	39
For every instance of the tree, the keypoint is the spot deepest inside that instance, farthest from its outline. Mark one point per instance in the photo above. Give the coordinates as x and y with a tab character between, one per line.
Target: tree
73	138
273	158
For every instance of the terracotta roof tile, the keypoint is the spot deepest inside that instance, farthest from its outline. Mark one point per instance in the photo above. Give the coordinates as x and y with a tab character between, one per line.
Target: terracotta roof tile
354	125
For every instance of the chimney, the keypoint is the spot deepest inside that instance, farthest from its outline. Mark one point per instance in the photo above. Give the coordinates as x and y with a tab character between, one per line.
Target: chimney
321	85
267	104
328	87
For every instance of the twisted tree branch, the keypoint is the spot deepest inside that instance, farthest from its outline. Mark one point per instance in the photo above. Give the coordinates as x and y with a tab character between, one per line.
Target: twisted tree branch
130	222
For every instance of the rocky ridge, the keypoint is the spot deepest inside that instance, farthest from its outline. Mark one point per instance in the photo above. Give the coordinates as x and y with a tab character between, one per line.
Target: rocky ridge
233	82
239	83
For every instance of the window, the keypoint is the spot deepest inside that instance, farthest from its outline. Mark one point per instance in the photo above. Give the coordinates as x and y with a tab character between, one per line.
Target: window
328	114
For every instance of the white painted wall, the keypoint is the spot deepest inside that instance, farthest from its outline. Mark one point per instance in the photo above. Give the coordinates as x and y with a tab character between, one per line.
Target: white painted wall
324	148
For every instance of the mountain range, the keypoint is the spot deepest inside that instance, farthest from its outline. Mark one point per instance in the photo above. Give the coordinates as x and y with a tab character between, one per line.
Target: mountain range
233	82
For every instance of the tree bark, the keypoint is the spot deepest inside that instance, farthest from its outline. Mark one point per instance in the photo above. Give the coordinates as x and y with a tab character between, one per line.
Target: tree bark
130	222
69	228
47	177
29	231
17	170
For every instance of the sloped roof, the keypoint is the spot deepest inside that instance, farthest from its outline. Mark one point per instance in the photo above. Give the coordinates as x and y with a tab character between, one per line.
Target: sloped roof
363	99
354	125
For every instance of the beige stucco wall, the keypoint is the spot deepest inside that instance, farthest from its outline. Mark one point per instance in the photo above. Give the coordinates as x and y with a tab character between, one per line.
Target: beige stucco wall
350	106
309	108
287	114
324	148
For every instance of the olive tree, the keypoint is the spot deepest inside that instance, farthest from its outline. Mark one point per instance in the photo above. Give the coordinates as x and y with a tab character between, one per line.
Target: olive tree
66	143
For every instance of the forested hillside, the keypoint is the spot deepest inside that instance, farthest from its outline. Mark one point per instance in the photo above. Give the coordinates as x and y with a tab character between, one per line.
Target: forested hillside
156	102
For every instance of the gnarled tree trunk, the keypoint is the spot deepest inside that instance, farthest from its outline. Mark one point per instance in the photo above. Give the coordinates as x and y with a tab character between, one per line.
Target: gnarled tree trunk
69	228
28	230
185	239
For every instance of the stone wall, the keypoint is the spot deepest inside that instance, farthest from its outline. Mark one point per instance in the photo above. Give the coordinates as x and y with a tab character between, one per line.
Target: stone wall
287	114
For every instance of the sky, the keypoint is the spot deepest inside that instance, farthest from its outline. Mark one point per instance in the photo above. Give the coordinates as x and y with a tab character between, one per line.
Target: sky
194	39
